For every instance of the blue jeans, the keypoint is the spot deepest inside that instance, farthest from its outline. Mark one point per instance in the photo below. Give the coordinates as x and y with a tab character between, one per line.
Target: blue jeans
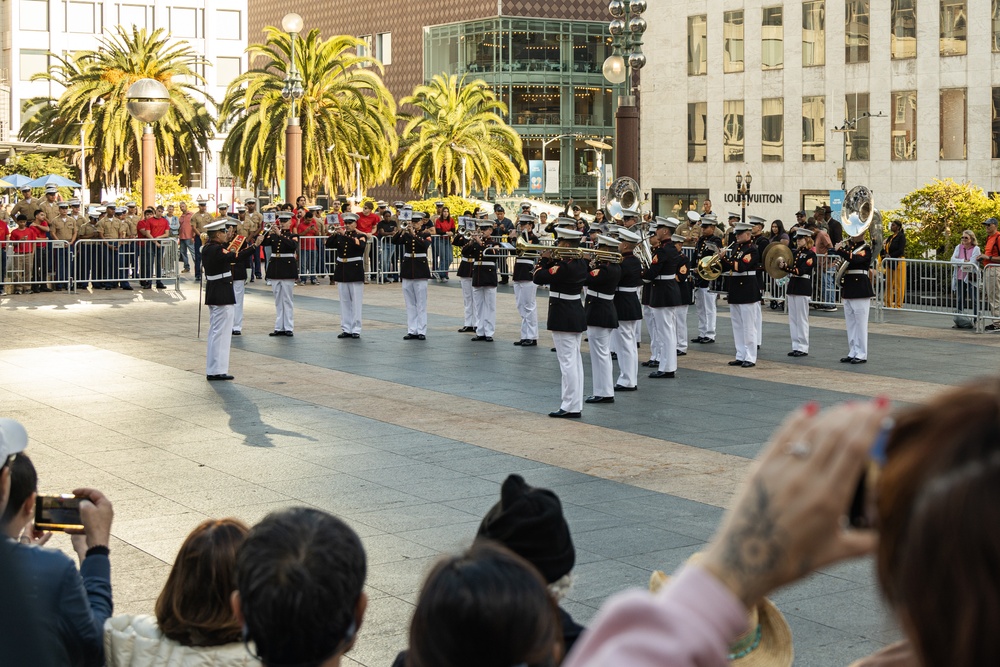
186	247
442	256
829	286
388	257
197	258
967	293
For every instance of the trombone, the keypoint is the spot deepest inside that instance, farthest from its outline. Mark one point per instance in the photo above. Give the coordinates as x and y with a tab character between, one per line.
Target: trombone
533	250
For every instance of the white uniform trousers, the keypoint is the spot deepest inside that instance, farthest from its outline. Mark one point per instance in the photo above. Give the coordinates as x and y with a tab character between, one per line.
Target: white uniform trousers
744	317
856	314
666	337
571	368
351	296
798	321
484	306
239	287
220	338
759	322
654	332
415	297
624	338
680	314
470	311
283	306
524	297
704	303
601	368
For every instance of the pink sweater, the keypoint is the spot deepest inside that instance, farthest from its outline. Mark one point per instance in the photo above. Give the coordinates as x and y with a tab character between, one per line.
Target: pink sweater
689	623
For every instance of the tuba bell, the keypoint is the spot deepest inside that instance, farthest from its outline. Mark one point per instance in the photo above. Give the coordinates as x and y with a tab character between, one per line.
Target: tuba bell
623	194
859	210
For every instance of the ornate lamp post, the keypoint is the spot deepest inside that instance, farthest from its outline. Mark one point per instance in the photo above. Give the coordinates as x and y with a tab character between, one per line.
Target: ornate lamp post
743	193
292	24
626	27
147	100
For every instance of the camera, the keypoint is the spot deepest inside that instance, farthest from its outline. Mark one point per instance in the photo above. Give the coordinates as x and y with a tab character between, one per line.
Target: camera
863	512
59	512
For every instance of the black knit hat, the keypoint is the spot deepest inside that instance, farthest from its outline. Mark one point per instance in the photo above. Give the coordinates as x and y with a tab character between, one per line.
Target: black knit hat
530	523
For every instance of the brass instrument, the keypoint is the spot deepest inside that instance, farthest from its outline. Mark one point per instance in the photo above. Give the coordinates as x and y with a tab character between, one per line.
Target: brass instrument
558	252
710	268
622	194
204	238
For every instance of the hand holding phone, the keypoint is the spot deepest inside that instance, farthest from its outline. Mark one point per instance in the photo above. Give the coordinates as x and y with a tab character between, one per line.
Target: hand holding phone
58	512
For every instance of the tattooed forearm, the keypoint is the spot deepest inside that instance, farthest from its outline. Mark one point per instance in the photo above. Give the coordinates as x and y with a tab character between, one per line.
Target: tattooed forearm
756	545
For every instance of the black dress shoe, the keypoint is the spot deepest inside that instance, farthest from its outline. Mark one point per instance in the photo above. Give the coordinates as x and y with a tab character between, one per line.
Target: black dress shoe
127	288
859	361
614	356
218	378
552	349
699	339
529	343
600	399
466	329
488	339
846	360
410	336
798	353
563	414
681	353
160	285
736	362
237	333
276	333
661	374
352	335
343	334
288	333
748	364
519	342
649	363
421	337
618	387
477	338
706	341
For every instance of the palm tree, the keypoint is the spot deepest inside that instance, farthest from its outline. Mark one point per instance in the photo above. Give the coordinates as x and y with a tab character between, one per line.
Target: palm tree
458	120
345	108
95	84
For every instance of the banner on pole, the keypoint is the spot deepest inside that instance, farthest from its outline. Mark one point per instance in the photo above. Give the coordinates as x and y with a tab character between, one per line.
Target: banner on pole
535	175
552	177
836	204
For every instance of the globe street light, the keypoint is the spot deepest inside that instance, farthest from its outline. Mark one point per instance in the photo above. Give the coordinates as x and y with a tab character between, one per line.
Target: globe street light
147	100
626	28
292	24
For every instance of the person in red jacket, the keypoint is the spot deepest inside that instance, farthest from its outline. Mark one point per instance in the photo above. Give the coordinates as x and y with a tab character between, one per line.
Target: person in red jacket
367	221
22	265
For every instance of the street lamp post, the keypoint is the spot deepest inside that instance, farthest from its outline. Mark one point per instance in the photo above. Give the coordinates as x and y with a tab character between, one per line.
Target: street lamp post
599	147
743	193
626	27
465	152
357	174
147	100
850	126
545	144
292	24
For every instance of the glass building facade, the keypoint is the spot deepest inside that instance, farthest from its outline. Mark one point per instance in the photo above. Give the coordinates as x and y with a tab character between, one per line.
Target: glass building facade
548	73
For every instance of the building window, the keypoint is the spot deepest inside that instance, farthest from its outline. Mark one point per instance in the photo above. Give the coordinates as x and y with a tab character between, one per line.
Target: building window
857	141
995	15
184	22
813	33
732	41
953	124
226	70
954	24
697	45
903	41
772	52
697	131
228	24
33	62
772	130
34	15
996	121
364	50
83	17
592	106
856	31
383	47
814	129
132	15
732	130
904	125
535	105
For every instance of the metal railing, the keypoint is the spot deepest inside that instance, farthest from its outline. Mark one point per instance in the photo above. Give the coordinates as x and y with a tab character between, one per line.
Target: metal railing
32	266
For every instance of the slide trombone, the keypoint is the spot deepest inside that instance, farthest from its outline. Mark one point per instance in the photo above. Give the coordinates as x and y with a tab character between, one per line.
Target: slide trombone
533	250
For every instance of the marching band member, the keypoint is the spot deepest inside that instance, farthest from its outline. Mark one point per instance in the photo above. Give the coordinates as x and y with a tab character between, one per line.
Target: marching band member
415	273
856	294
602	320
464	274
566	320
704	301
281	272
220	299
665	293
680	313
242	263
761	241
629	311
647	312
744	297
525	289
484	280
799	291
349	273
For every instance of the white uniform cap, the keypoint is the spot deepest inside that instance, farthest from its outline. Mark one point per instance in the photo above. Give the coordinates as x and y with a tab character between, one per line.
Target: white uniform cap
565	222
607	240
349	217
13	438
216	226
756	220
568	234
51	189
693	216
734	215
629	236
630	213
678	238
742	227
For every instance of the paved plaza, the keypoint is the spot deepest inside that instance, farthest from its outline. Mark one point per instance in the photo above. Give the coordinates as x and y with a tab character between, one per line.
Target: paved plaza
409	441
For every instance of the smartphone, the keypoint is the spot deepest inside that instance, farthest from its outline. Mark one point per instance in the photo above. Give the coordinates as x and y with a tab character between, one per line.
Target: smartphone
60	512
862	512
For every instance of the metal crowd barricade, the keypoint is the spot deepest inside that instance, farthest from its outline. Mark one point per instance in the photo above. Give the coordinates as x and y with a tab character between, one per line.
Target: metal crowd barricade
442	258
932	287
315	261
826	288
115	263
151	261
32	266
988	296
387	257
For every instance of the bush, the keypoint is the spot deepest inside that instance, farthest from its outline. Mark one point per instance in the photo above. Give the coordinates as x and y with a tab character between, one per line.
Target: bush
935	215
456	205
168	191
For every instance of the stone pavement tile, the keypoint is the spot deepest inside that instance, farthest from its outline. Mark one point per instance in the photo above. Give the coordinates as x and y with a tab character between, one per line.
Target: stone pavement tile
581	613
450	538
262	465
383	633
816	585
860	570
475	505
412	517
858	612
384	550
452	489
630	539
142	584
327	453
403	477
593	582
213	500
667	560
596	491
144	507
583	519
401	577
148	529
362	498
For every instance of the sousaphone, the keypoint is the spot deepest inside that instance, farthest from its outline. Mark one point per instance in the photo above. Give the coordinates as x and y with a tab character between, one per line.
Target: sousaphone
859	212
